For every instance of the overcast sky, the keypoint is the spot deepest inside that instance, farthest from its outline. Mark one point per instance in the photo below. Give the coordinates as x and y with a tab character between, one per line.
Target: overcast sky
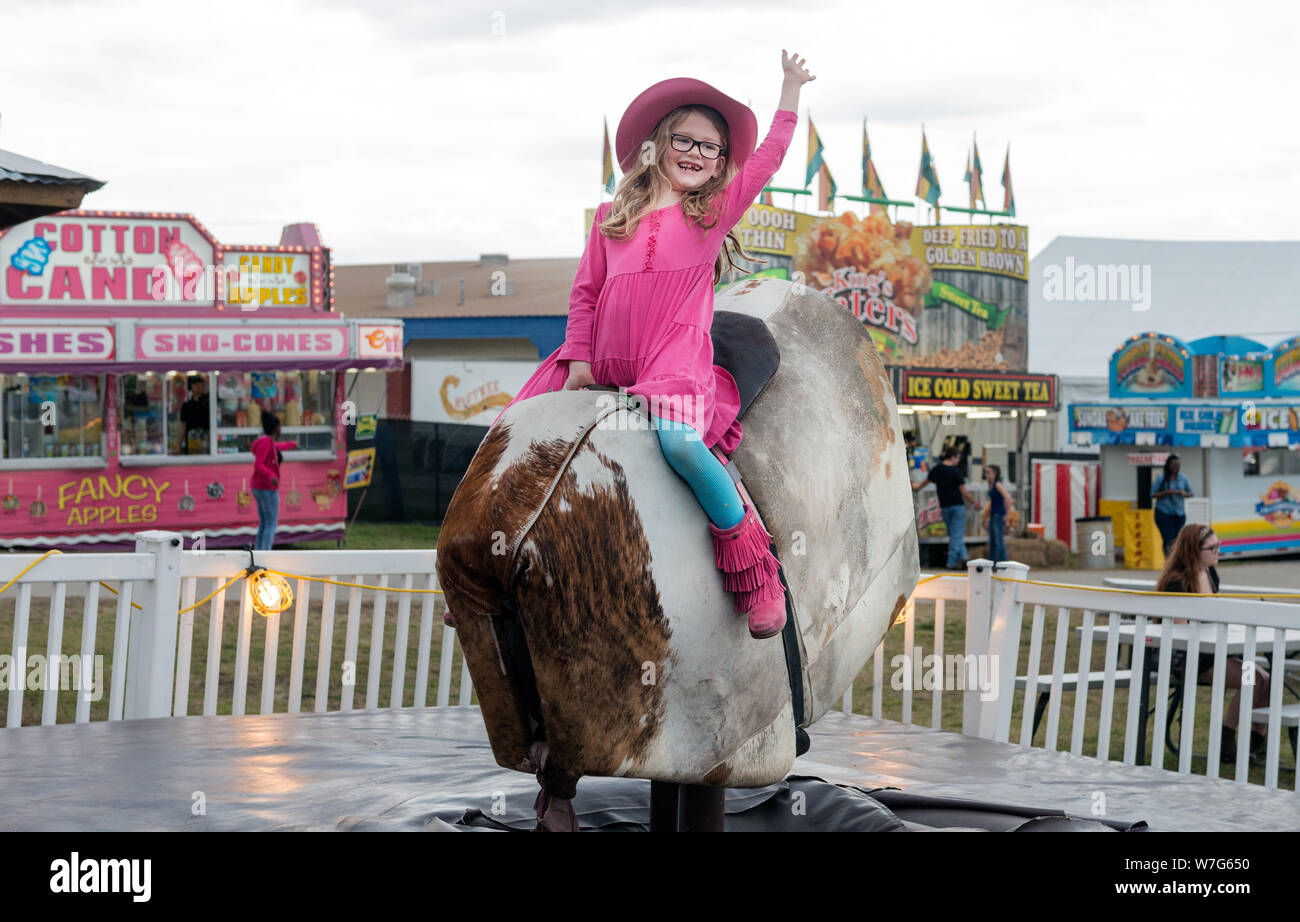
433	131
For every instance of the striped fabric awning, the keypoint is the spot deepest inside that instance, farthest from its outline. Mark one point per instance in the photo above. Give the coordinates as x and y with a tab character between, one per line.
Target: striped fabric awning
1065	491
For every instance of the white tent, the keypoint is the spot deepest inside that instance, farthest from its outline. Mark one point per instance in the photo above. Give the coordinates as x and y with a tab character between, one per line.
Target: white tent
1089	294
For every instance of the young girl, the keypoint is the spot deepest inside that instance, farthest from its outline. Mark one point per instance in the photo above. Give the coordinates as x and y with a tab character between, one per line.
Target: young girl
642	302
1190	568
266	450
999	505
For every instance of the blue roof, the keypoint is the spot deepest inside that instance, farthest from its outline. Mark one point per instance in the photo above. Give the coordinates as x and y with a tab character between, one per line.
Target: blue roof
1226	345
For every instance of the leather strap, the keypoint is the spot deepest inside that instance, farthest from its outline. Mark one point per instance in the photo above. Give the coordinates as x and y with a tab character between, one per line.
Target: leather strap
580	435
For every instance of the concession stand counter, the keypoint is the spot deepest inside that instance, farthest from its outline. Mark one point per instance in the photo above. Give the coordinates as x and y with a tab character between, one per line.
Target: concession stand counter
137	358
1230	408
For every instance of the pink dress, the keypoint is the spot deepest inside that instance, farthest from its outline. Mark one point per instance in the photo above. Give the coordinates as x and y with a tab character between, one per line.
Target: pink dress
641	308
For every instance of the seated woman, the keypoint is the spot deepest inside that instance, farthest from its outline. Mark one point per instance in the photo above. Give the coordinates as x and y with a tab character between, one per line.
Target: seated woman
1190	568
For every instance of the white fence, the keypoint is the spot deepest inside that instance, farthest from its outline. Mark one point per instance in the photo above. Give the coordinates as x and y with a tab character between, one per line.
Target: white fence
995	626
1060	684
157	666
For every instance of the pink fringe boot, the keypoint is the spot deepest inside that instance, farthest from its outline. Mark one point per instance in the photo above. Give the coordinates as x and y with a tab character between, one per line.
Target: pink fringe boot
743	553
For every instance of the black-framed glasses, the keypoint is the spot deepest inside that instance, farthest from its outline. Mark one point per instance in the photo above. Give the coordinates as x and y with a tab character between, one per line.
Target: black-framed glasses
708	150
1212	547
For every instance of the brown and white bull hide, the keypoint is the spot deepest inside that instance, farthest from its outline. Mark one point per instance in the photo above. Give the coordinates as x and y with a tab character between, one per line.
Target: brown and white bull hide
569	516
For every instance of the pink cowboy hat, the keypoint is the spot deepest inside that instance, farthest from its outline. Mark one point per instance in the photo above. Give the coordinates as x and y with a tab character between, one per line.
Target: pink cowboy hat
644	113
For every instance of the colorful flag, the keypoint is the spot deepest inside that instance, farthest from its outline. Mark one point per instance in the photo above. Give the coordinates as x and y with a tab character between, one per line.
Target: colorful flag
814	154
825	189
975	175
607	172
871	184
927	181
1008	197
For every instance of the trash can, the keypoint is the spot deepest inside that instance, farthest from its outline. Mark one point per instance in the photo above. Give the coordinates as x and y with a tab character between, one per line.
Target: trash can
1095	539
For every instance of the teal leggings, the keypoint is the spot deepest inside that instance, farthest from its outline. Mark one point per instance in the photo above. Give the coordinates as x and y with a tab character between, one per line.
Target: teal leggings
686	454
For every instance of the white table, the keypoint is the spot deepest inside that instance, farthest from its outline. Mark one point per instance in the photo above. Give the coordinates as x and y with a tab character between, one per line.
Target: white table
1207	635
1147	585
1178	635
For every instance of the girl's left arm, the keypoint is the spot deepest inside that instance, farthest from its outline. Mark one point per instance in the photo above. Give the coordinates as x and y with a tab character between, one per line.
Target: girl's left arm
1006	496
766	159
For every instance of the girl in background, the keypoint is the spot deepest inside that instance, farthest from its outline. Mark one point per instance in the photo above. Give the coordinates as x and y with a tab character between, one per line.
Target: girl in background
267	454
1000	504
1190	568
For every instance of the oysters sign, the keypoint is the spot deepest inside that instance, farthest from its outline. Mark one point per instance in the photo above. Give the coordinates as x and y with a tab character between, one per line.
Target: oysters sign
939	297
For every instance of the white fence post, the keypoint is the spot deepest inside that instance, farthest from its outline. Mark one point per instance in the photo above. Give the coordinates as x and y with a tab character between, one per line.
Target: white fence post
979	604
1007	569
151	649
1003	652
993	640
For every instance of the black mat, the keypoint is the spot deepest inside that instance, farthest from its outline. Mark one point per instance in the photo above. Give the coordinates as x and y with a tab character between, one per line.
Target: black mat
432	769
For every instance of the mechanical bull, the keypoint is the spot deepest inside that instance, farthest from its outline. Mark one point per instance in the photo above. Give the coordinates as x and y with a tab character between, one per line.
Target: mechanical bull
578	570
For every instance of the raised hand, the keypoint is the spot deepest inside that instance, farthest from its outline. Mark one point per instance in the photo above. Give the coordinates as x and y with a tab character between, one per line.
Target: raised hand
793	67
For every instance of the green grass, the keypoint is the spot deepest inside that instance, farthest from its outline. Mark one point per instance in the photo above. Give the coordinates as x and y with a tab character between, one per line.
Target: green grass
366	536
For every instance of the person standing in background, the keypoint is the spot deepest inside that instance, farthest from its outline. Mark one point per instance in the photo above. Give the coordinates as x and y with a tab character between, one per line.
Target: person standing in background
950	484
1168	493
267	454
195	415
999	505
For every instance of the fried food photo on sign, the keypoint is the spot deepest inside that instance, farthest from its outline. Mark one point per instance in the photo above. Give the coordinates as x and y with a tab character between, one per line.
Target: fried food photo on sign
872	245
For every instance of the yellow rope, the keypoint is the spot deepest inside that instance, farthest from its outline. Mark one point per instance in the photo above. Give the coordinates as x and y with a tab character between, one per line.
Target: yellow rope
242	575
112	590
310	579
335	582
54	553
928	579
1194	595
50	553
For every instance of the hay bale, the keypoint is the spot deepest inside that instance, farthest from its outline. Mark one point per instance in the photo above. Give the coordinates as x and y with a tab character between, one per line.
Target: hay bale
1056	552
1029	551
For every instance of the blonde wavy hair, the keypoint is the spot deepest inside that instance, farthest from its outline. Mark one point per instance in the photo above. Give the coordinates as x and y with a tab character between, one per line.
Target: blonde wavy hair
640	186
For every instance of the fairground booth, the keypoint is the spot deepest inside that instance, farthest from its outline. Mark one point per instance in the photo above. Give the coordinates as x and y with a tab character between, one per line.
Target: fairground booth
947	306
1230	408
137	358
